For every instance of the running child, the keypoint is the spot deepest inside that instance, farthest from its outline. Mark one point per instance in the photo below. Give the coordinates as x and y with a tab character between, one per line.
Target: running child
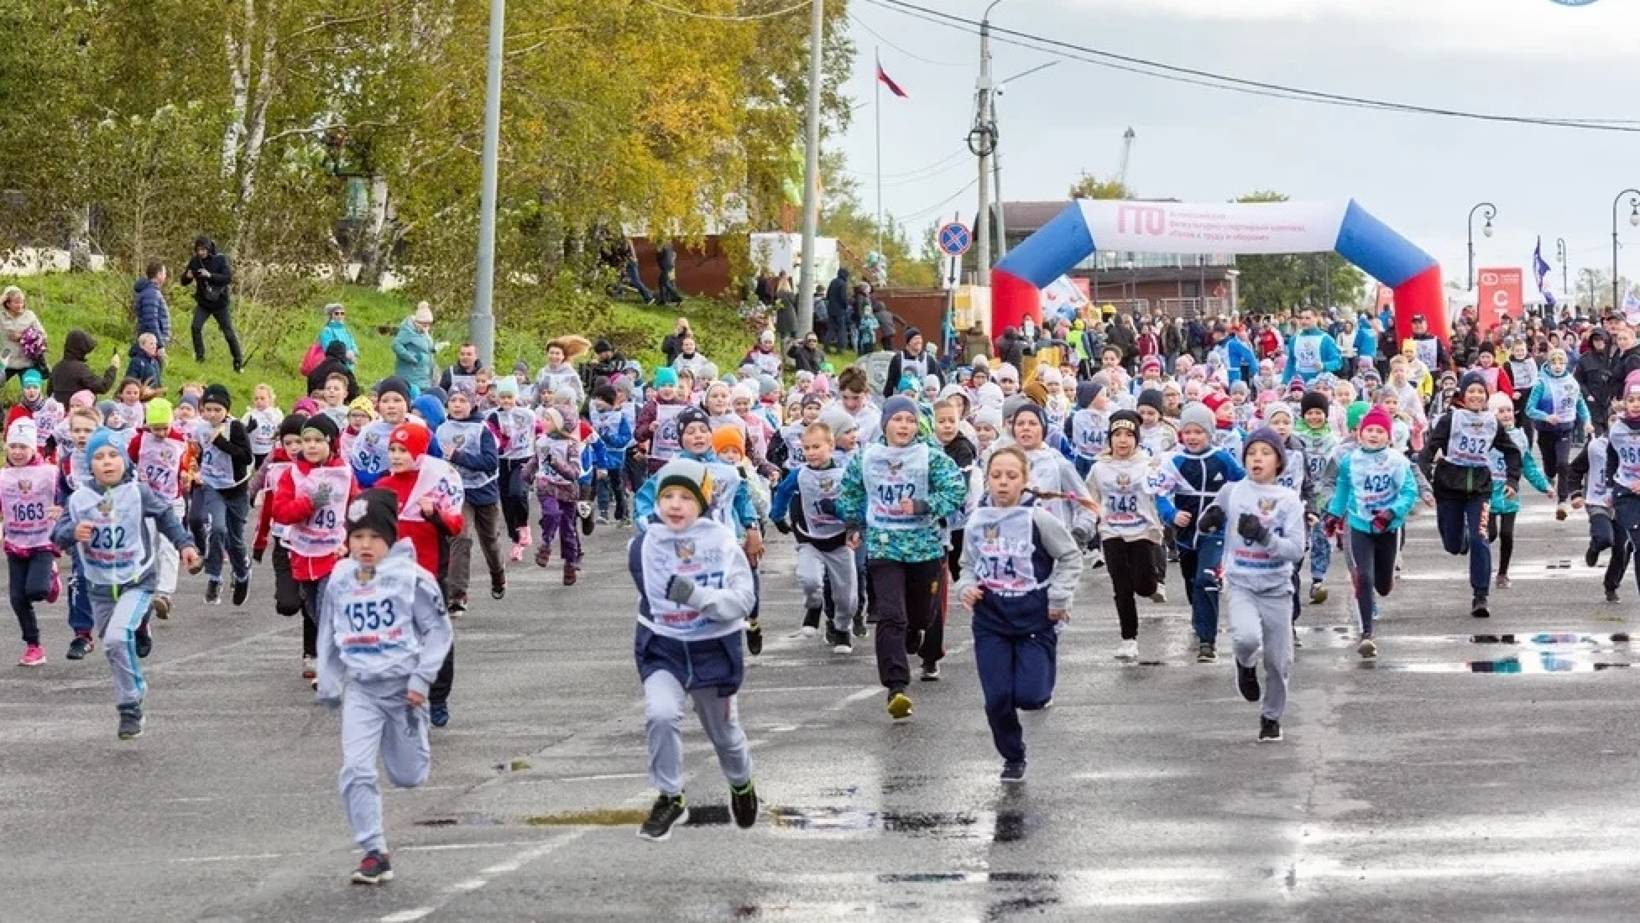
1594	495
105	524
221	501
1186	483
262	423
1500	525
382	635
1019	571
1130	528
1374	492
28	493
161	455
805	503
469	444
695	588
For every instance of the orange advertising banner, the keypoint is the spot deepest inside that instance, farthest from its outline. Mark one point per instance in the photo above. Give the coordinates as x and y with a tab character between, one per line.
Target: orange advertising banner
1499	292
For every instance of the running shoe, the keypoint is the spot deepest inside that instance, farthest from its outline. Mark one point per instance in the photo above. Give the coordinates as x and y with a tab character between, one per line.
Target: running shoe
668	812
1247	682
213	593
1206	653
930	673
439	714
1128	649
1611	596
517	553
743	805
1013	773
241	590
33	656
1503	582
373	870
811	622
859	625
1591	555
1269	730
543	555
1318	593
55	590
498	588
130	722
1477	608
310	667
1560	512
899	705
82	645
570	569
523	536
1160	596
1367	648
162	607
144	639
754	637
841	643
456	609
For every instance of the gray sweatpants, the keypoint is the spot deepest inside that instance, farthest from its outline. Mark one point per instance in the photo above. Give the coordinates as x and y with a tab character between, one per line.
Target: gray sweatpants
814	567
116	621
1264	620
376	719
719	716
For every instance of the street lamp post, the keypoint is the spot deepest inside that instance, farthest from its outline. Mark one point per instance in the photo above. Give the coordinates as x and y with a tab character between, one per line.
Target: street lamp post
1491	212
1560	254
1634	221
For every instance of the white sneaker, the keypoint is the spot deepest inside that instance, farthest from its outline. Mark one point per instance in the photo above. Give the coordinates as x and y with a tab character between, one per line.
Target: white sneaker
807	631
1160	596
1368	648
1128	649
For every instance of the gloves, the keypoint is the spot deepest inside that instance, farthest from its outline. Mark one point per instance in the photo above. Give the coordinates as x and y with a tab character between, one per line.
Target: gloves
1251	529
827	506
680	589
1331	526
1211	519
1381	520
783	527
1081	536
321	496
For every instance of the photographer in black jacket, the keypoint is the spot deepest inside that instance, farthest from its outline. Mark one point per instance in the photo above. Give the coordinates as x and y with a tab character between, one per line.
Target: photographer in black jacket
212	277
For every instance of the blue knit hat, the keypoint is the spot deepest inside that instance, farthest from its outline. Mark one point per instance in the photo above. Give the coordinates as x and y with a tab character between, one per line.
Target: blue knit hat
103	438
899	403
666	378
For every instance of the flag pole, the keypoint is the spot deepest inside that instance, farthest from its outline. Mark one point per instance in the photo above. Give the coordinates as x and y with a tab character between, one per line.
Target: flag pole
877	82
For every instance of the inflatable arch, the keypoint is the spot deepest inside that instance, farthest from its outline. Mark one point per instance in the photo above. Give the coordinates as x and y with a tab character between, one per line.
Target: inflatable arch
1239	228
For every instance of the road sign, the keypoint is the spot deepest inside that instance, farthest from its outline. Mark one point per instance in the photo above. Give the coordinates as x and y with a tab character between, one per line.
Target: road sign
954	239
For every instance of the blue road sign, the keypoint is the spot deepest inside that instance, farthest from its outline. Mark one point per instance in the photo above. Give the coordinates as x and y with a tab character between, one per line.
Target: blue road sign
954	239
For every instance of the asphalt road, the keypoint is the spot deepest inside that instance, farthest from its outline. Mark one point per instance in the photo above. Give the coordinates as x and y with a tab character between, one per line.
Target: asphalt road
1475	771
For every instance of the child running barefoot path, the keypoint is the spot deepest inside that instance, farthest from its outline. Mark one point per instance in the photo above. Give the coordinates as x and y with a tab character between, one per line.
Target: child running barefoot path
382	636
695	589
1019	571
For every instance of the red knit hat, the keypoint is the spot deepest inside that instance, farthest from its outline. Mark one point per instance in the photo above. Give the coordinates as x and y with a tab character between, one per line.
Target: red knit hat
413	437
1380	418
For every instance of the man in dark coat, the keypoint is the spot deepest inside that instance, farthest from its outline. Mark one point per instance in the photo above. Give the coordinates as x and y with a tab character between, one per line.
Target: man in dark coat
837	308
212	278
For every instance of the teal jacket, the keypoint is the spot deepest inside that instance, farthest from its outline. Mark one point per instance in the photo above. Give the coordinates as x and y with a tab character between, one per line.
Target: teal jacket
336	330
413	356
947	491
1399	492
1529	467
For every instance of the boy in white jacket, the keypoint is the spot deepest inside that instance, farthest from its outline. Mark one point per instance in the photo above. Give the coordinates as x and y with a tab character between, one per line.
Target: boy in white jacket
383	633
1263	541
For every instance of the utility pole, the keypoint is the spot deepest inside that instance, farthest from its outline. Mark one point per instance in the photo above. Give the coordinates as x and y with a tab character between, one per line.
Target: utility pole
811	174
982	142
481	323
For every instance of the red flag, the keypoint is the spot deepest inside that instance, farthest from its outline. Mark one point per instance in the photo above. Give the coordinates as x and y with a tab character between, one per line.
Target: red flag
889	82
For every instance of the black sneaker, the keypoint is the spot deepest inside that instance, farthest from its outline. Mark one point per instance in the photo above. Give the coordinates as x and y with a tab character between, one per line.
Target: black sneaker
1206	653
81	646
1591	556
373	870
859	625
439	714
130	722
498	590
241	590
669	810
1611	596
1269	730
1247	682
754	638
930	673
213	593
1477	608
456	609
145	640
743	805
840	641
1013	773
811	620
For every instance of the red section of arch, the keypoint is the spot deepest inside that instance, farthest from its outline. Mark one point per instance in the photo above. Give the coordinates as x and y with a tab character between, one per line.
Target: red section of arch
1420	295
1012	300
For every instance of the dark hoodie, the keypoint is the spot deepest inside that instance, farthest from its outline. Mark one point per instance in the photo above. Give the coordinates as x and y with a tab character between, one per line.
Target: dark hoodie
72	374
334	363
212	292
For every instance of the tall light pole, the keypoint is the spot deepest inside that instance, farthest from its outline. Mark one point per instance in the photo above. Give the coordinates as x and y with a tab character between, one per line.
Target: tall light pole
481	323
1491	212
982	141
1560	254
811	175
1634	221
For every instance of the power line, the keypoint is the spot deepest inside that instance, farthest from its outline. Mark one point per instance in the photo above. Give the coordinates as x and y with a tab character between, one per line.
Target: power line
717	17
1179	74
910	54
918	173
932	209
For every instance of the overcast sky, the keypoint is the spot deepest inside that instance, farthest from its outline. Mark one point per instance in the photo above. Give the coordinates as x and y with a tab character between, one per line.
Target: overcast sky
1420	174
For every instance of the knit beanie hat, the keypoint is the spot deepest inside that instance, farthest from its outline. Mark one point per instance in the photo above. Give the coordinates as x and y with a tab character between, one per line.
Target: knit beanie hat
898	404
506	386
1214	400
159	412
689	416
103	438
1125	420
838	421
393	385
1196	414
1274	408
1270	438
666	378
1354	413
323	425
376	509
988	416
362	404
1498	401
293	424
1152	398
1471	378
33	379
1086	391
1035	410
688	474
23	431
1378	417
727	437
1631	384
217	394
1313	400
412	436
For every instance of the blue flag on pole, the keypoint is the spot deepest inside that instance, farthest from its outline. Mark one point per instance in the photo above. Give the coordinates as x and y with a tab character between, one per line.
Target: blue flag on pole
1542	270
